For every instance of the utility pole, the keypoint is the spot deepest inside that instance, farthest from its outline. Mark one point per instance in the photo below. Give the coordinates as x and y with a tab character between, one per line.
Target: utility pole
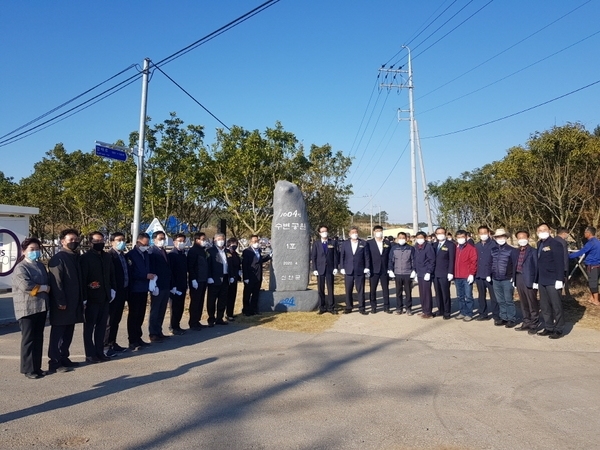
407	83
423	180
139	178
371	203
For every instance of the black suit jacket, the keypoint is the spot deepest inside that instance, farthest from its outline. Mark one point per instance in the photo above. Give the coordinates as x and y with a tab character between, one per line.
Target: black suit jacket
252	267
355	264
529	270
324	261
444	258
178	264
216	268
551	262
159	265
379	261
118	268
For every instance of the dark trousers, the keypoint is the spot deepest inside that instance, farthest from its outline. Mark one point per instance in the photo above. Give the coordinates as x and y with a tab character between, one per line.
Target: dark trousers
115	314
425	296
32	341
217	300
326	302
177	307
404	283
250	297
158	309
442	294
95	317
197	304
135	319
552	310
530	306
61	337
593	275
383	279
350	281
231	296
482	287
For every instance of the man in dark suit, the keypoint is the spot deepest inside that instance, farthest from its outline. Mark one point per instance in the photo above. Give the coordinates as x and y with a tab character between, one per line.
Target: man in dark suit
115	308
218	280
524	273
549	281
178	264
197	267
355	263
424	261
324	259
235	270
379	251
140	275
252	274
483	277
445	251
159	262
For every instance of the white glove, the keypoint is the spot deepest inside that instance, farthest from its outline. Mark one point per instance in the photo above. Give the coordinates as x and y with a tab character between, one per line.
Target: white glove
156	291
335	271
210	281
427	277
246	281
44	288
84	302
413	274
315	273
488	279
514	285
231	280
113	294
343	271
194	284
152	284
535	286
558	285
470	279
240	274
173	291
367	271
450	277
391	274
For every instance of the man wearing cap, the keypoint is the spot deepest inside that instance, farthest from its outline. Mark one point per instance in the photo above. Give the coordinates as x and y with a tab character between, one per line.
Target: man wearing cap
591	250
445	251
502	272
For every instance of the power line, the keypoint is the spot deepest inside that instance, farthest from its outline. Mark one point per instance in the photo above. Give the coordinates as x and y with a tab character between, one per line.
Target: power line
364	115
516	113
191	96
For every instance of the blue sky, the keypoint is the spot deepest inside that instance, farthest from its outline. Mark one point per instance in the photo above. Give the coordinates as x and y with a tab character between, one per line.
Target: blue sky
311	65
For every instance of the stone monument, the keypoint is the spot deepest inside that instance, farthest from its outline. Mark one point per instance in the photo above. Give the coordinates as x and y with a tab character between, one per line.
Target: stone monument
290	241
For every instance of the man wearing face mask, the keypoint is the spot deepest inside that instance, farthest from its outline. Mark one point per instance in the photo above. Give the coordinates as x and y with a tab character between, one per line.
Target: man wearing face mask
66	301
252	274
115	308
324	259
402	268
235	269
549	282
445	252
140	275
197	266
424	261
524	273
159	298
219	279
379	250
502	273
99	287
355	260
465	267
483	277
178	265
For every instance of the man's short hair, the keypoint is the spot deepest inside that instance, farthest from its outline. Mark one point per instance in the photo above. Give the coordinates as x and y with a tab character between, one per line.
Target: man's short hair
401	233
254	236
591	230
158	233
179	235
94	233
354	228
64	233
460	233
323	226
561	230
115	235
542	224
199	235
232	240
483	227
143	235
522	231
219	234
440	228
421	233
377	227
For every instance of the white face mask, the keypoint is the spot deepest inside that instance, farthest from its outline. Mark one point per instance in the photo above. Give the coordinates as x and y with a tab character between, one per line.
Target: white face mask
220	243
354	236
420	241
461	241
204	243
159	244
523	242
255	245
181	245
401	241
543	235
378	234
440	237
143	248
324	234
501	241
484	237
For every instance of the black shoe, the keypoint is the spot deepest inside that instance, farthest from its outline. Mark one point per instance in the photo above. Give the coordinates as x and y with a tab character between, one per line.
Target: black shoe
334	312
135	347
221	322
532	331
34	375
320	312
143	343
399	312
500	322
510	324
104	358
156	339
409	312
230	318
177	332
211	324
482	318
347	311
41	373
257	313
92	360
387	311
68	363
556	335
196	328
446	317
248	314
545	332
110	352
164	337
363	312
522	327
63	369
373	311
117	348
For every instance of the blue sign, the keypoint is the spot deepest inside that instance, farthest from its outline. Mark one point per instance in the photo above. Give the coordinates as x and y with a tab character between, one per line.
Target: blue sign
290	301
111	153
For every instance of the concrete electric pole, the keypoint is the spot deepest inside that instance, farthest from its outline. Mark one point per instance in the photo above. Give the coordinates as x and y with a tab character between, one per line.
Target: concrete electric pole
139	178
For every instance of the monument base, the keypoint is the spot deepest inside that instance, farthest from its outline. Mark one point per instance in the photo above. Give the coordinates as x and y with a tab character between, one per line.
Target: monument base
288	301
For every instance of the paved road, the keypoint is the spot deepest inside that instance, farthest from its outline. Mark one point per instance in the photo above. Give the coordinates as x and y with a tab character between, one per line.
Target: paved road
371	382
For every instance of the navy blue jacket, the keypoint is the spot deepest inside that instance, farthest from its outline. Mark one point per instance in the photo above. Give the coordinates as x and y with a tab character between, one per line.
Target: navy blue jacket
216	269
424	259
444	258
529	270
379	261
197	264
502	262
139	268
355	264
178	265
324	261
484	258
159	265
252	267
551	262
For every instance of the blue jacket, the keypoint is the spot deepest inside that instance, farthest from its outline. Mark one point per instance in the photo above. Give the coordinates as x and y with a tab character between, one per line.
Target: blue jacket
424	259
379	261
591	250
444	258
139	268
355	264
551	263
484	258
159	265
502	262
324	261
529	269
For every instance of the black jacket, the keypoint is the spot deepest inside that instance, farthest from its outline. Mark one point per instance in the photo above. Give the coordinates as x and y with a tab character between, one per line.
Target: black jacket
65	288
324	261
216	269
97	276
252	267
379	261
178	265
197	264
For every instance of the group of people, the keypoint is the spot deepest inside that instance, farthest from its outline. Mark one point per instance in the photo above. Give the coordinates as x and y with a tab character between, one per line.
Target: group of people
495	267
94	287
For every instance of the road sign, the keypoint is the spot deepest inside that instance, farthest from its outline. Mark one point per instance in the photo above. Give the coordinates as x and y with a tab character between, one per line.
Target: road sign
111	151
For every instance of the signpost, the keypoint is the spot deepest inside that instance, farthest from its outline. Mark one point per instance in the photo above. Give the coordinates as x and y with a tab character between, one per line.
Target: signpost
111	151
